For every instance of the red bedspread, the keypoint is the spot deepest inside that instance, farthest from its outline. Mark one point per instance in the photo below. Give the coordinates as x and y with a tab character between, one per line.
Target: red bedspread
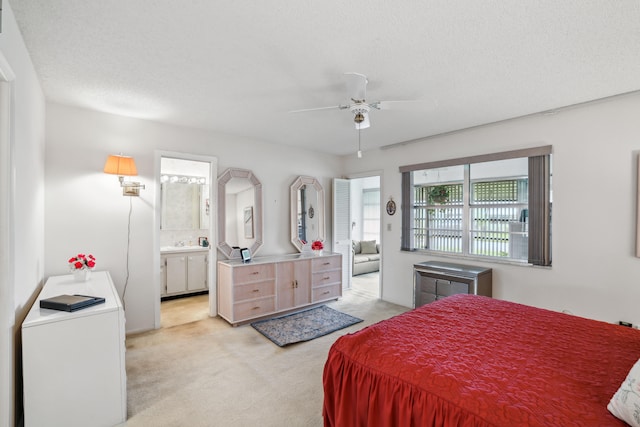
475	361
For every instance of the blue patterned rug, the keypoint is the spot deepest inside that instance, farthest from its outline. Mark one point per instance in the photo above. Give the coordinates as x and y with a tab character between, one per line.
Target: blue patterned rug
304	325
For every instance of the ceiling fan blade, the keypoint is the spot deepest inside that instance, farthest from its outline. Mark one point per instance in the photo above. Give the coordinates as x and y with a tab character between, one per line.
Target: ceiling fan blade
364	124
356	86
334	107
387	105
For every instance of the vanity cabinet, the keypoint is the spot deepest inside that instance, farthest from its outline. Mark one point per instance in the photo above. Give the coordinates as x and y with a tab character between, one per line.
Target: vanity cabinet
184	272
274	285
435	280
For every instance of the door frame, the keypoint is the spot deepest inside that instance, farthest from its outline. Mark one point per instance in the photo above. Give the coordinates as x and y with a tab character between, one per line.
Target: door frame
213	221
379	174
7	225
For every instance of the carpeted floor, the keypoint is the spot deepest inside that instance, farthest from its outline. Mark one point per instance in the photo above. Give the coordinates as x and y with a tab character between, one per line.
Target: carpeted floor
204	372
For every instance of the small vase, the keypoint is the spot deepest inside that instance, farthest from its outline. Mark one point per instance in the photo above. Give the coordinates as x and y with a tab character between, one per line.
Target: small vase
317	252
81	275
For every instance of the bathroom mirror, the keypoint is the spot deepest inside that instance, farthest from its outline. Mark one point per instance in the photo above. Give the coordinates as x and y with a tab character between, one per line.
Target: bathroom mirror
307	211
239	212
185	203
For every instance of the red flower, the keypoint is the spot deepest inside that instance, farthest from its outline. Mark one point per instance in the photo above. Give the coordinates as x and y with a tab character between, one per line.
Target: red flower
82	262
317	245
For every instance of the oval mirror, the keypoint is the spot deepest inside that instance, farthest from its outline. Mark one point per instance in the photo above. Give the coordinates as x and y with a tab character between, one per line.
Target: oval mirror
239	212
307	211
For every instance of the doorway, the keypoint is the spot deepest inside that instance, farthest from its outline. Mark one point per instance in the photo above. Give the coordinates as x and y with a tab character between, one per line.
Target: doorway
365	211
186	221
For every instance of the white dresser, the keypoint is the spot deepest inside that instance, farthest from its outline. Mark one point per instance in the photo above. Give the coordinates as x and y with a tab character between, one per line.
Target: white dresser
74	363
276	284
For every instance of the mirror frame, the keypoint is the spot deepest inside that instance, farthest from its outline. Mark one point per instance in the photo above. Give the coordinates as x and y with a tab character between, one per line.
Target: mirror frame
319	211
223	179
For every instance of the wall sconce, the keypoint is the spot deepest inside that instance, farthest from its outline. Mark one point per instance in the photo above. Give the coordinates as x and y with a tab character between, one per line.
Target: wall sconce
124	166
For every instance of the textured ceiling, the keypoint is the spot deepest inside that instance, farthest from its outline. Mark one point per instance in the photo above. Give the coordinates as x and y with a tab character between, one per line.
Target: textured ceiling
239	67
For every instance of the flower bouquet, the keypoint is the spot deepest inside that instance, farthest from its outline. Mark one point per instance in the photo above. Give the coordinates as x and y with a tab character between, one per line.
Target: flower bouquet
317	247
81	266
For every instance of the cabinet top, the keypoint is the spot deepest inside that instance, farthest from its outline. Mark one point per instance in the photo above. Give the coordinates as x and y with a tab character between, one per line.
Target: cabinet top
276	258
99	285
182	249
447	267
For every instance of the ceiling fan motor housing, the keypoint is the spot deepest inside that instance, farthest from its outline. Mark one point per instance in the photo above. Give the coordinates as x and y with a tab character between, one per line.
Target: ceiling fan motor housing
359	110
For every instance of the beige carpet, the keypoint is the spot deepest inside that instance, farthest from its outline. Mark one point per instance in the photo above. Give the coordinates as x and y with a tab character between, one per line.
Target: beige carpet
199	371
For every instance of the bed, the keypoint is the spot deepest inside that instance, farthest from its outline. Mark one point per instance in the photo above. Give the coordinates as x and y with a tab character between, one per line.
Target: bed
469	360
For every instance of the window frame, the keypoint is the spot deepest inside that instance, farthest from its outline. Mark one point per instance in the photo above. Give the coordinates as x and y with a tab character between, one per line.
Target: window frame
539	200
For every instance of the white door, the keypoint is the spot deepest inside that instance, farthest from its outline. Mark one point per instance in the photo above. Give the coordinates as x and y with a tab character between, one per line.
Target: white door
342	226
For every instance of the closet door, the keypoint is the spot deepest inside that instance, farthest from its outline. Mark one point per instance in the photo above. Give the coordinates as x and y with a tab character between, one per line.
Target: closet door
342	226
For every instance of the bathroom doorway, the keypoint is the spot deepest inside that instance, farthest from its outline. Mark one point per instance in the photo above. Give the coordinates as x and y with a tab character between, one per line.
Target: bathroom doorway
186	220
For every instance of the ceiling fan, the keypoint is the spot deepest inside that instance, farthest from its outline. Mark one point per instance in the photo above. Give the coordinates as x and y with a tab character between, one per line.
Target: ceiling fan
357	89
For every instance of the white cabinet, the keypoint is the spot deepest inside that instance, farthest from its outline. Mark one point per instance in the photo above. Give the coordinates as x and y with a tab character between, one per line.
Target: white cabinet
184	272
270	285
74	363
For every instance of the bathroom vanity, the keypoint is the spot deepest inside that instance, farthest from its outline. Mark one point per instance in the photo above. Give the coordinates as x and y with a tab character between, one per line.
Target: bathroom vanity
183	270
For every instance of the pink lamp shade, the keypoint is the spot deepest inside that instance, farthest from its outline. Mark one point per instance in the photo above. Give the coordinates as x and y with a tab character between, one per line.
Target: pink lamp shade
120	165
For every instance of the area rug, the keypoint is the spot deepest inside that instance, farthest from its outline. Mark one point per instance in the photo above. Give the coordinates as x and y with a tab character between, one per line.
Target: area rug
304	326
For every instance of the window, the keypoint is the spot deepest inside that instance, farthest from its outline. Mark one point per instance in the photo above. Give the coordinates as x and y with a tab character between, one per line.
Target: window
371	214
494	206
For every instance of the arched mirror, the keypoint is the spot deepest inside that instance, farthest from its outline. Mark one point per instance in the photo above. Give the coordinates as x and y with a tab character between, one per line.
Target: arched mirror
239	212
307	211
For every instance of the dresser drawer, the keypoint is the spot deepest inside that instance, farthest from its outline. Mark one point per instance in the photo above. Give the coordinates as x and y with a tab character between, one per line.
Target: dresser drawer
446	288
253	273
326	263
327	292
253	308
425	298
425	283
325	278
254	290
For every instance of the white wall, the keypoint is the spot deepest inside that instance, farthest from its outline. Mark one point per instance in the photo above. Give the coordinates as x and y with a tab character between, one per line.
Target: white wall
85	209
594	272
26	201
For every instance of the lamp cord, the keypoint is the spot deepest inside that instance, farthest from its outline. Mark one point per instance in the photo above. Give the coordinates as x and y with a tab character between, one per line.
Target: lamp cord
126	280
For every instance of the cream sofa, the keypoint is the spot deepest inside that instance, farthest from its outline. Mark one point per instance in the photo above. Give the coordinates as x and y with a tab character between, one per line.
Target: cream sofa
365	257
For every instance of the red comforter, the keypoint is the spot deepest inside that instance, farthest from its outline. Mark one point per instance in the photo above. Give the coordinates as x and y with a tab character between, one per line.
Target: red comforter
476	361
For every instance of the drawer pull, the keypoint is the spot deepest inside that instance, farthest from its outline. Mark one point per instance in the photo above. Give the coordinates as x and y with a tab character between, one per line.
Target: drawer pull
326	292
255	272
326	278
256	290
326	263
256	308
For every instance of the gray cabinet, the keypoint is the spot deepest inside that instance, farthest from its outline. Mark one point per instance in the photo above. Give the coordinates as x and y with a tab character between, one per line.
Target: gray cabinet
433	280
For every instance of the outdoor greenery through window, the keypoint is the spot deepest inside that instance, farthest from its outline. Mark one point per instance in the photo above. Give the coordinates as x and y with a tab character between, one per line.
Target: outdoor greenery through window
479	208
